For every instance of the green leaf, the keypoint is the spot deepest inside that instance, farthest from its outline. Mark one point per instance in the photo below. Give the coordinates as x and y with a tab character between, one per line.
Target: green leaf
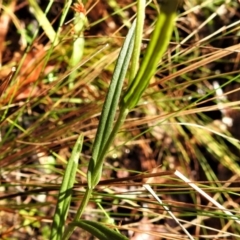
43	20
110	108
99	230
103	138
155	50
80	20
138	38
65	193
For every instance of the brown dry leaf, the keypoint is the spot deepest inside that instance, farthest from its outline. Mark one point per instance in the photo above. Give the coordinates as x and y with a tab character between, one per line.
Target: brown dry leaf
5	83
5	19
29	73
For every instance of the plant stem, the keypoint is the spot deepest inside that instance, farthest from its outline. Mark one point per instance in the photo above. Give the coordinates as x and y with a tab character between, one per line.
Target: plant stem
138	39
121	117
69	229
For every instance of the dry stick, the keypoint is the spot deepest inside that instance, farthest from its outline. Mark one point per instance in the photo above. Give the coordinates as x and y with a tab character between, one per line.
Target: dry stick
213	201
108	182
147	186
219	54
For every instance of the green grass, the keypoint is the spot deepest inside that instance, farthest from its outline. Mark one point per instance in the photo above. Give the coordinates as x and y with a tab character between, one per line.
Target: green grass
57	93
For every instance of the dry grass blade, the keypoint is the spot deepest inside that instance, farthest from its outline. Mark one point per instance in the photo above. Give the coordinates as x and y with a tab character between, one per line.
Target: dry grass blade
214	202
5	83
208	59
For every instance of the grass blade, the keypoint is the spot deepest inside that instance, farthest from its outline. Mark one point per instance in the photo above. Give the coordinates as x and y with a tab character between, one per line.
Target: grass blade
65	192
138	38
106	123
110	107
99	230
155	50
43	21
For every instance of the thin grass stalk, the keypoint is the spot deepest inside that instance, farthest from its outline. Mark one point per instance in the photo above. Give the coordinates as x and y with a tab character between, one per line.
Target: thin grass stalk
70	228
66	8
16	72
43	21
56	39
138	39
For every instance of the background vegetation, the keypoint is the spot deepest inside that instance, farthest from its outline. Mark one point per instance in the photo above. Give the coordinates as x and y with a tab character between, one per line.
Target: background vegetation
187	120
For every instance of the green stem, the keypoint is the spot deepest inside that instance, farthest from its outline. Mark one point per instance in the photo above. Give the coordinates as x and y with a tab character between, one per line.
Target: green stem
69	229
138	39
156	48
121	117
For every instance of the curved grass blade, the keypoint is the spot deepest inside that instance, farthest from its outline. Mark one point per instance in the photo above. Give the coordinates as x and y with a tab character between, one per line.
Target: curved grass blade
155	50
99	230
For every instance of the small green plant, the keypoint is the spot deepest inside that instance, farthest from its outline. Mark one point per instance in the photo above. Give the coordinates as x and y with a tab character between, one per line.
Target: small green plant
67	146
108	129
